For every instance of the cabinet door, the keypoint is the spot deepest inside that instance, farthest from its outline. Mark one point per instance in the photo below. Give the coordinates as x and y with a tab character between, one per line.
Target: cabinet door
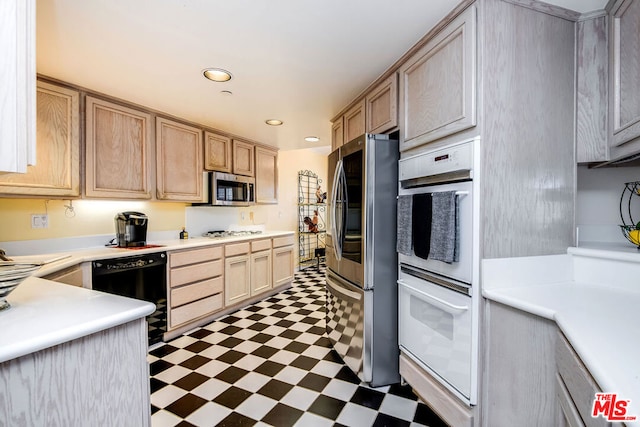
237	279
625	69
337	133
178	161
382	106
57	169
17	84
266	175
261	272
438	84
243	158
117	151
282	265
354	122
217	152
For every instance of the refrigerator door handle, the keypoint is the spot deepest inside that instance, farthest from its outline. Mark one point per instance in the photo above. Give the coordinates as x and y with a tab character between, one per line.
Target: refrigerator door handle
335	229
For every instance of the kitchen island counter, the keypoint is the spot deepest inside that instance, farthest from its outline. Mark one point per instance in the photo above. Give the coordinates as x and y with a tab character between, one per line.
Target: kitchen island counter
593	297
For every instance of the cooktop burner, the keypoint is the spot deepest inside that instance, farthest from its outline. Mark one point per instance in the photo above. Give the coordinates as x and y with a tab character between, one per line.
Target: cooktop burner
223	233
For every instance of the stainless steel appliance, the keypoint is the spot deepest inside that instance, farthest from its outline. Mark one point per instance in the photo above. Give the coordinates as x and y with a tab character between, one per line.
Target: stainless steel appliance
225	189
438	296
141	277
361	257
131	229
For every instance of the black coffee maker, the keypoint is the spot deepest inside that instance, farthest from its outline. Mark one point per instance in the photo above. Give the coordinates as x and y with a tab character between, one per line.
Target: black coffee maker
131	229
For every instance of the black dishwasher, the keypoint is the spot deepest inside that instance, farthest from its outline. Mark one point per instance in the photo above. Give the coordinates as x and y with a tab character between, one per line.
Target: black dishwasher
140	276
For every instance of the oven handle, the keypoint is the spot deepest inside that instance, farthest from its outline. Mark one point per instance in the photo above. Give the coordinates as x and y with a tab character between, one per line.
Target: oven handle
444	305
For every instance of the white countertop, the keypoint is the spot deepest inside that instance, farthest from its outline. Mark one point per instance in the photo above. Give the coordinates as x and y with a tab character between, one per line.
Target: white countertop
601	321
45	313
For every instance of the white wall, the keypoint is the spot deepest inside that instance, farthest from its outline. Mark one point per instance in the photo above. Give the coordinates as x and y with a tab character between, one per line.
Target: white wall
598	202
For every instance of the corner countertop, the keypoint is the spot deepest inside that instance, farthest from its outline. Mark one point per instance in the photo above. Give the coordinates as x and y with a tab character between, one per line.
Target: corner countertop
600	321
45	313
68	259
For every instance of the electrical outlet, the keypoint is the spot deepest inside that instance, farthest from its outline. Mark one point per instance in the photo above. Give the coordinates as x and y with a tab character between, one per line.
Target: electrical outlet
39	221
250	216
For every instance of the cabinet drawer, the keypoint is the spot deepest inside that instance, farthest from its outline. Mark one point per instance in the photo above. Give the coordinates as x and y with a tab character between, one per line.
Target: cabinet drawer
282	241
236	249
260	245
177	259
196	291
195	310
196	272
579	383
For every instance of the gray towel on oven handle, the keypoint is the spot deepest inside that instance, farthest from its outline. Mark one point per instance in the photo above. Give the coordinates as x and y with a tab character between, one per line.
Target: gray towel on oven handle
405	208
445	237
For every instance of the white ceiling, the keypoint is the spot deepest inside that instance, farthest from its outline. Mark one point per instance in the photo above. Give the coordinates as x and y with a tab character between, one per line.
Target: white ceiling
300	61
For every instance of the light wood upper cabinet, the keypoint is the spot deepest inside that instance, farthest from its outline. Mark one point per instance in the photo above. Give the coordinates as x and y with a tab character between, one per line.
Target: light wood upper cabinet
354	121
118	151
337	133
243	153
17	84
382	106
266	175
178	161
438	84
217	152
57	169
624	51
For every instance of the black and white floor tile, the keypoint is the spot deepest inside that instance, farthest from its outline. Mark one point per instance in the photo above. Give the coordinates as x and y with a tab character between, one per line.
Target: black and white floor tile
271	364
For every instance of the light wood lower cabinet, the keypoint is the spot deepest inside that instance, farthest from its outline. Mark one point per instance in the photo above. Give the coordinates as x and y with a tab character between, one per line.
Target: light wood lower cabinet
196	284
261	275
70	276
178	161
283	260
118	151
237	279
57	168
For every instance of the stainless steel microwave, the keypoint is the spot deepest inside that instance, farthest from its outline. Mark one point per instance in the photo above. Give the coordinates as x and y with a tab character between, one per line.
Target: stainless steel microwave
226	189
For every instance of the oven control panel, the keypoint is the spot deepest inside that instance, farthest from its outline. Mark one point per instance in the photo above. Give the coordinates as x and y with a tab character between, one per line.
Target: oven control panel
454	158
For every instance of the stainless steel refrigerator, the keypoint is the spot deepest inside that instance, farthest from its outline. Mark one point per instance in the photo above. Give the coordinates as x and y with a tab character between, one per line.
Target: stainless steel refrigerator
362	303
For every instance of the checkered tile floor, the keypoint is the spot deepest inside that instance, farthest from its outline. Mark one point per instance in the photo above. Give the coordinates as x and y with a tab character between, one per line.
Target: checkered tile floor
271	364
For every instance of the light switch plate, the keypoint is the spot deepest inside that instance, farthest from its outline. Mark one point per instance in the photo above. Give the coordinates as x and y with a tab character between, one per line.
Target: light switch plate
39	221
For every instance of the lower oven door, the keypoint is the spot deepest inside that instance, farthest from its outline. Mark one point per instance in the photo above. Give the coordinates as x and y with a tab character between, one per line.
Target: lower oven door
435	329
345	324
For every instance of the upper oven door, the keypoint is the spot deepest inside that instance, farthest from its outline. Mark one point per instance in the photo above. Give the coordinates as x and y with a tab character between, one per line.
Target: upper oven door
462	270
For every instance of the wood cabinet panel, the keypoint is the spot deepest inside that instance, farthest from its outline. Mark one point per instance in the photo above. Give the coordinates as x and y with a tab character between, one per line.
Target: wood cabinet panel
282	241
17	84
266	176
70	276
260	245
178	259
196	291
382	106
233	249
438	84
243	158
354	121
117	151
261	271
57	168
195	272
237	279
337	133
283	265
195	310
217	152
178	161
625	84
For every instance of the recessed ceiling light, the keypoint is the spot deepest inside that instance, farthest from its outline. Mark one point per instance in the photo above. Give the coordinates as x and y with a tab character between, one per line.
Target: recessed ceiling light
312	139
273	122
217	74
